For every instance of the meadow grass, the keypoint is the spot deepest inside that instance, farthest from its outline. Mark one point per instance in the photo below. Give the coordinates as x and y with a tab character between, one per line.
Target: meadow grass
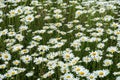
59	40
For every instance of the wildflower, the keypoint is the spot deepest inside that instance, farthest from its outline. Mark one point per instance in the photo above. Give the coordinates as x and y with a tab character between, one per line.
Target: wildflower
48	74
19	37
118	78
26	58
102	73
107	62
112	49
3	66
29	18
16	62
68	76
57	11
100	45
37	38
19	10
17	47
87	59
92	76
24	51
6	56
118	65
83	72
43	48
101	10
78	13
99	24
29	74
12	13
68	56
12	33
23	27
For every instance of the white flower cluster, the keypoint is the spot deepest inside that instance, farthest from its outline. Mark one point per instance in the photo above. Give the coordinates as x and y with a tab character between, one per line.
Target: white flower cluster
59	40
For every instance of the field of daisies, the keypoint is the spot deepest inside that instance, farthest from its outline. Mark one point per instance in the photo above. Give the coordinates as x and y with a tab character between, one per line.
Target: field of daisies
59	40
